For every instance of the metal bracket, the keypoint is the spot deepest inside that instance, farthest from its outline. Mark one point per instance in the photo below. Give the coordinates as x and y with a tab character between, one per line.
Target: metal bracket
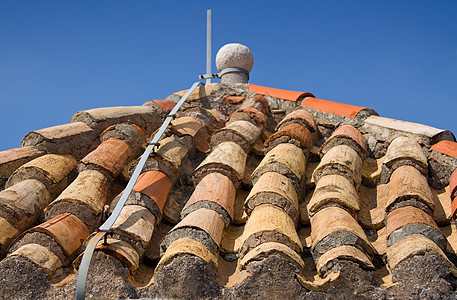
154	145
223	72
105	237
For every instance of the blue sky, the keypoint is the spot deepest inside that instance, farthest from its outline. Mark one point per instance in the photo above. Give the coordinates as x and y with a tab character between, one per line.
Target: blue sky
59	57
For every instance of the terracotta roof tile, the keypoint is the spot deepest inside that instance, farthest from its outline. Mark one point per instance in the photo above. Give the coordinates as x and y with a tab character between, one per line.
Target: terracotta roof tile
165	105
186	126
90	188
403	216
227	158
233	99
269	248
215	188
204	219
255	114
300	116
276	189
269	223
156	185
260	99
346	110
278	93
76	139
446	147
333	220
345	252
346	134
404	148
408	183
66	229
413	245
334	189
200	92
12	159
101	118
243	133
22	204
286	159
295	131
122	251
187	246
342	160
135	222
111	155
51	169
40	256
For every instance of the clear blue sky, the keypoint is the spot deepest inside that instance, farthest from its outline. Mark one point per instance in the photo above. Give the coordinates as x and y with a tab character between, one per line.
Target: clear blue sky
59	57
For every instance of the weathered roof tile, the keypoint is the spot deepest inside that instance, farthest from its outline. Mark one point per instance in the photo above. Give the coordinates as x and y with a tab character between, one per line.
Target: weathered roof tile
276	189
217	189
346	135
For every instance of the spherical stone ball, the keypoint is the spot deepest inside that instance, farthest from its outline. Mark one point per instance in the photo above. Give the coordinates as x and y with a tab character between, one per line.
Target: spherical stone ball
234	55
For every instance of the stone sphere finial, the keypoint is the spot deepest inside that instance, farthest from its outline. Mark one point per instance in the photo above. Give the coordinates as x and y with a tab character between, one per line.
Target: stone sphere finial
234	55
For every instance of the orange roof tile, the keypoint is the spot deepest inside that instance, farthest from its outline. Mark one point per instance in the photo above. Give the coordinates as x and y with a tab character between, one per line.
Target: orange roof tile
155	185
346	110
278	93
446	147
165	105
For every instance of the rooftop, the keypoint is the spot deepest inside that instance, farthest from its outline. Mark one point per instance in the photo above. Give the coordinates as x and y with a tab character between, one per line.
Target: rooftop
253	192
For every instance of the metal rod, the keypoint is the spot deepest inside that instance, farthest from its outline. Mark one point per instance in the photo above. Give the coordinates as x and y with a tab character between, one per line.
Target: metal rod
208	44
106	227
